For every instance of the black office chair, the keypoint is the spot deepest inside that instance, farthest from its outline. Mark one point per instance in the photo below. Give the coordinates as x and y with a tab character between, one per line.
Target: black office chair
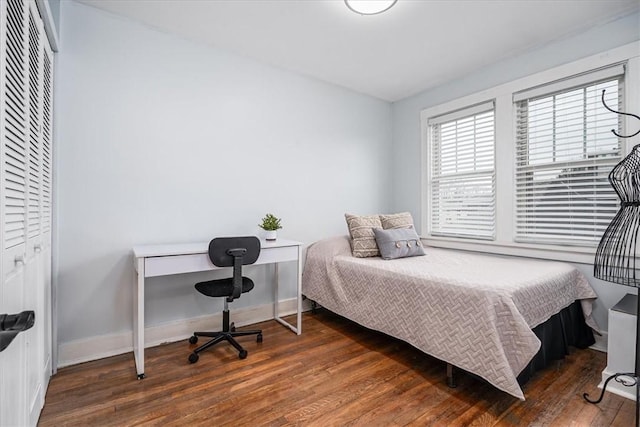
228	252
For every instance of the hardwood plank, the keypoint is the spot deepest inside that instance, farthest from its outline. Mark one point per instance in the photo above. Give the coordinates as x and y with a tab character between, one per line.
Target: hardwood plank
336	373
626	414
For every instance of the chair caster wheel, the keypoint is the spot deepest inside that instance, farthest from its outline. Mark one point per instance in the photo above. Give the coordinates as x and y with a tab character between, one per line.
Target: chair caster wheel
243	354
193	357
259	338
232	327
193	339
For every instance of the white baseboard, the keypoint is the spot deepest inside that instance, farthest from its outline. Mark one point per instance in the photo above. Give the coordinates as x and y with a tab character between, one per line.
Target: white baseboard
617	388
601	342
99	347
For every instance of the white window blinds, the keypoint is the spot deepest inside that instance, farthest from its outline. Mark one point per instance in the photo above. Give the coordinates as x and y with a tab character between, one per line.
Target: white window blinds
564	153
462	173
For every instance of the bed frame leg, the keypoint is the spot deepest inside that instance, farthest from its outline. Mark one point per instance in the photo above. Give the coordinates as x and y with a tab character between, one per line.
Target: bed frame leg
451	380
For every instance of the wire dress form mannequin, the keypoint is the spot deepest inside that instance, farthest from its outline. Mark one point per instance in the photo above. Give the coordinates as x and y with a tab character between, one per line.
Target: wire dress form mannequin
616	254
615	259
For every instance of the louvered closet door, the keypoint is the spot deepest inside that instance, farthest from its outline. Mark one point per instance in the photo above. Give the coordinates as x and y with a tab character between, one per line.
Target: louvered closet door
14	134
34	284
26	82
45	206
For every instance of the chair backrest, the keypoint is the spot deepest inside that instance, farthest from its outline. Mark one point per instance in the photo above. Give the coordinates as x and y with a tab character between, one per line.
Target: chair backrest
220	246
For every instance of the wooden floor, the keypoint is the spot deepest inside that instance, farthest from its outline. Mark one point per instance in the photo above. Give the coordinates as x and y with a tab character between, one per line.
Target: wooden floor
335	374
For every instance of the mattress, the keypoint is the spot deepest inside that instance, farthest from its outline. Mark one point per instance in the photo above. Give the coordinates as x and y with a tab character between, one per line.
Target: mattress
471	310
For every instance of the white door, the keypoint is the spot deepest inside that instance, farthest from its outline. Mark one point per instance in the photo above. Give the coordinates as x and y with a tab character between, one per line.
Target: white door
44	278
33	285
25	153
13	158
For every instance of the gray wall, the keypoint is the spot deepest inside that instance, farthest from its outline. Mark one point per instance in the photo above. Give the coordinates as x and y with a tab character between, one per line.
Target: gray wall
54	5
151	129
406	117
164	140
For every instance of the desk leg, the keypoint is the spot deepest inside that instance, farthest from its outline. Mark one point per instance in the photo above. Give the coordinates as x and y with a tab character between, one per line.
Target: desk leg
276	308
138	320
299	293
276	297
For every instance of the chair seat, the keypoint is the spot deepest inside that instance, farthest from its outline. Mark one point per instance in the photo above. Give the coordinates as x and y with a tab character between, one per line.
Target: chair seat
222	287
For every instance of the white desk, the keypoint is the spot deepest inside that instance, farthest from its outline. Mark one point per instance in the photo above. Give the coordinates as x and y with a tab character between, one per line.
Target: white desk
163	260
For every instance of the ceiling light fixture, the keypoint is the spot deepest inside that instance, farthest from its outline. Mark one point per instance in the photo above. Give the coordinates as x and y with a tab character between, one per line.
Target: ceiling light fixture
369	7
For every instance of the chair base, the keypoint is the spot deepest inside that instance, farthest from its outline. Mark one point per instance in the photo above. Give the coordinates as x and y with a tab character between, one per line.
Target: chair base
227	335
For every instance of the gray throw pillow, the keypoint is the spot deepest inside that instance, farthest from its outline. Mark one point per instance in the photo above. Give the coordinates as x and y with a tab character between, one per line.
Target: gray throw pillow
398	243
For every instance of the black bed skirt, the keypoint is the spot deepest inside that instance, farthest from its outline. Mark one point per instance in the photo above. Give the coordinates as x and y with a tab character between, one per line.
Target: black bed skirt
562	330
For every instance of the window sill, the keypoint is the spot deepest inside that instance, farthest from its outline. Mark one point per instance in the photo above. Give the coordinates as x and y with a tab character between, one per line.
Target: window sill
580	255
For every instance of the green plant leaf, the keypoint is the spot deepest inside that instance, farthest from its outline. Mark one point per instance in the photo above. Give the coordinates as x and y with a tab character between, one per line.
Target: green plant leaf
270	223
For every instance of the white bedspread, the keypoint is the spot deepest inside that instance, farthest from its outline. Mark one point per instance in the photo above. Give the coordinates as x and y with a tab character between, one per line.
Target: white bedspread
473	311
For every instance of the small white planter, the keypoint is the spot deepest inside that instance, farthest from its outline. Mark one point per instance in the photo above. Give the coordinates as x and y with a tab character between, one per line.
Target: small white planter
270	234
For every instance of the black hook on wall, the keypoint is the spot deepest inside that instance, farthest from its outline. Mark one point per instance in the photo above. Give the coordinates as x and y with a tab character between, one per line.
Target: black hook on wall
619	112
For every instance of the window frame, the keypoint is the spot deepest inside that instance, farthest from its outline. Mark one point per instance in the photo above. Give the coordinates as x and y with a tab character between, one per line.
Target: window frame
465	113
525	229
505	149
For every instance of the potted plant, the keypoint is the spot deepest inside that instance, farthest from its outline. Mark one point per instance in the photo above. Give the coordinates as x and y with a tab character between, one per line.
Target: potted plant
270	224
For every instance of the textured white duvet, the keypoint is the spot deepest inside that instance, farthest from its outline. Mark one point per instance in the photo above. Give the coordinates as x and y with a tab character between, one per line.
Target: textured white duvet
473	311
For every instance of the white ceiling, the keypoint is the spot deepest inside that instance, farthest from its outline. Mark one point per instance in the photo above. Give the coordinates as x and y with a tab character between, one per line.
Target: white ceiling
416	45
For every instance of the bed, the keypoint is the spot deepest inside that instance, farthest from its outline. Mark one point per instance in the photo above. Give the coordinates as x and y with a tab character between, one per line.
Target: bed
476	312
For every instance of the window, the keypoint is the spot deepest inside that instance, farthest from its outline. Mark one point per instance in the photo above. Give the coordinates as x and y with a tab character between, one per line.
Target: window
462	173
542	189
564	153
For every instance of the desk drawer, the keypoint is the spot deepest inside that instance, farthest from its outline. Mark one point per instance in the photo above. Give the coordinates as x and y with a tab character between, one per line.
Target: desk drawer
177	264
282	254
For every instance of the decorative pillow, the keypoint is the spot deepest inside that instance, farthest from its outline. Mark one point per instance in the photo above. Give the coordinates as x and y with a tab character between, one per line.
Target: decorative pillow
399	220
398	243
363	241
